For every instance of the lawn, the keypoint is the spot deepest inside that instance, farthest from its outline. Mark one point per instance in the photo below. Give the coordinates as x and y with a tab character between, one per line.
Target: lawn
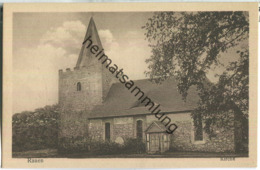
52	153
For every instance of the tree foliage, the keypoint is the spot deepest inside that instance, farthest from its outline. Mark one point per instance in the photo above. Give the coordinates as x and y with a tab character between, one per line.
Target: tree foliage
188	45
35	130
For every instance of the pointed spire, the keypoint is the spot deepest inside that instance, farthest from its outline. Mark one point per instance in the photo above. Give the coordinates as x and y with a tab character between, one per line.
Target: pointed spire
86	57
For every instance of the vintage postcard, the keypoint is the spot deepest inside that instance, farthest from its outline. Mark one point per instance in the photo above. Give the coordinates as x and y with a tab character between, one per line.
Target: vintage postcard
130	85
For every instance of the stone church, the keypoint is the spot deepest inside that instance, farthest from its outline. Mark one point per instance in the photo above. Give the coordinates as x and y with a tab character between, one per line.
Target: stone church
98	107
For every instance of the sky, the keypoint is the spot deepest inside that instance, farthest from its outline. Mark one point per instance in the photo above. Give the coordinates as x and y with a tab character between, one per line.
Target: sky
43	43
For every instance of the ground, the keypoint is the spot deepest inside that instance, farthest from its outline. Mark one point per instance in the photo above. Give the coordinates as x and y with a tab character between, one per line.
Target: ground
52	153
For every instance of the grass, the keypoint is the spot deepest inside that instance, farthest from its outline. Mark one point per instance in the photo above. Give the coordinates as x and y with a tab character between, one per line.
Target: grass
43	153
52	153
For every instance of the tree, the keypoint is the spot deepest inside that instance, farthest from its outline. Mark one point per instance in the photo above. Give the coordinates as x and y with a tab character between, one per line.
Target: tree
188	45
35	129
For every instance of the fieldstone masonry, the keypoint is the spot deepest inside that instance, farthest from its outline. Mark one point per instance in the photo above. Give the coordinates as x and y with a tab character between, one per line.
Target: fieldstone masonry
181	140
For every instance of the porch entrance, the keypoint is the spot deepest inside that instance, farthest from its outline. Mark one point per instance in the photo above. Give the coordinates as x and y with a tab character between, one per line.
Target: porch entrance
154	142
157	140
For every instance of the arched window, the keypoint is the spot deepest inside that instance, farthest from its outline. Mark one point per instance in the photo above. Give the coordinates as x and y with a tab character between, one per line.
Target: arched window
78	86
107	131
198	135
139	129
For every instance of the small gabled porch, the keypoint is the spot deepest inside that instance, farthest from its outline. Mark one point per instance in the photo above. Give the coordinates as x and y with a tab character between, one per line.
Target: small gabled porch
157	139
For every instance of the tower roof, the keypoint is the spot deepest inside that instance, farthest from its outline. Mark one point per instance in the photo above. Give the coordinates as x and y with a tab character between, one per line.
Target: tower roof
86	57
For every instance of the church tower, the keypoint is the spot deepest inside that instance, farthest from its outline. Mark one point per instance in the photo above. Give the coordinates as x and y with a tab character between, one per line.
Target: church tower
88	84
81	88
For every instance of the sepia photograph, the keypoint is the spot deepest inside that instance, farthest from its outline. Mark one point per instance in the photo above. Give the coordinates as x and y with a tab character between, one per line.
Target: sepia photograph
131	85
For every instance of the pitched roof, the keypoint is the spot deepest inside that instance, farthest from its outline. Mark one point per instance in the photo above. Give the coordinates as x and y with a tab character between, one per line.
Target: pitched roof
156	126
121	102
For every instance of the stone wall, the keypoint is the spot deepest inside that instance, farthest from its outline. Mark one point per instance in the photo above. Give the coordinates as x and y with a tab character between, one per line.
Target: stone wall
76	105
96	129
124	127
181	140
91	89
183	137
73	124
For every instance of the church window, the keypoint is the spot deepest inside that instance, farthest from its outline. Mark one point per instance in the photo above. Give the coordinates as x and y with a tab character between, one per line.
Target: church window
139	129
198	133
107	131
78	86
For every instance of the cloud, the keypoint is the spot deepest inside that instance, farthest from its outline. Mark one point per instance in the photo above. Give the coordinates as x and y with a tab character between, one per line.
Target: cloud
108	41
36	76
35	69
106	35
130	54
68	36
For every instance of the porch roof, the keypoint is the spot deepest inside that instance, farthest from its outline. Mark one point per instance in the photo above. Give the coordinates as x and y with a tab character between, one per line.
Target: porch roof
156	127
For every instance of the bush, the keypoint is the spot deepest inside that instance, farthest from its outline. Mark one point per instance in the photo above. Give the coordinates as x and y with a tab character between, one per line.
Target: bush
131	146
35	130
134	146
105	148
73	145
